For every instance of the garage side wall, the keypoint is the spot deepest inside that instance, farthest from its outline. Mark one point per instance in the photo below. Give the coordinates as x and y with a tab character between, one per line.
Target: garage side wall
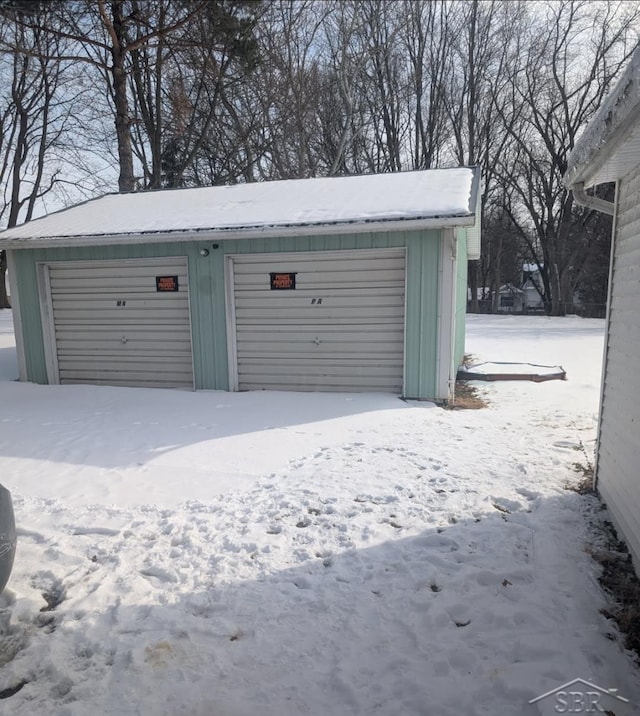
207	296
617	471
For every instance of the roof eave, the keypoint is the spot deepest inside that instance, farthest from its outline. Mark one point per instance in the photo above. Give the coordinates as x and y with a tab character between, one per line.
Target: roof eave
250	232
607	148
613	158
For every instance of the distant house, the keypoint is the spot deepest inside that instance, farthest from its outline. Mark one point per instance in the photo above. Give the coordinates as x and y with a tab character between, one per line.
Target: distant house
511	299
609	151
532	288
338	284
483	303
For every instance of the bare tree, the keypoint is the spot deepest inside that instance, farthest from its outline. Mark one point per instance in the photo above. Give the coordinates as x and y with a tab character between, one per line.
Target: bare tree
219	91
36	119
182	85
104	35
569	61
428	47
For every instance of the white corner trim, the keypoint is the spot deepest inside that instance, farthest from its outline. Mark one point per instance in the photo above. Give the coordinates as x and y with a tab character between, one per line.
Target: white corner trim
446	315
230	316
605	349
48	325
193	359
404	328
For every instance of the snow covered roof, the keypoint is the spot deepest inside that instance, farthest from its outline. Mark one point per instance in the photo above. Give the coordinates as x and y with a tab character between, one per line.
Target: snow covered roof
380	202
610	145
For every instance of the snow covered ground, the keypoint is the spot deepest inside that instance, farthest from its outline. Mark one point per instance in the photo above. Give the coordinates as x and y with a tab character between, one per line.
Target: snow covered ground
282	554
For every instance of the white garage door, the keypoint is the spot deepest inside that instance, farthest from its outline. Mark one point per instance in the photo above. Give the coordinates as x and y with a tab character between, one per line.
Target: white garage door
121	322
320	321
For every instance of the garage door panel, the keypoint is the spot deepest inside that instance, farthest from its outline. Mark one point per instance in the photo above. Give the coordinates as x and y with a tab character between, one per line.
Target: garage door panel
305	302
136	383
263	336
324	355
149	367
105	323
297	323
114	284
339	366
130	304
311	265
326	314
68	349
113	296
160	334
318	345
380	278
354	291
332	384
352	340
146	340
132	313
126	378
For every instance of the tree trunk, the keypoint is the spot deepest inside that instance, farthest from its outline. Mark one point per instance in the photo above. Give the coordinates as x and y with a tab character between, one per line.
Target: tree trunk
556	305
126	181
473	286
495	303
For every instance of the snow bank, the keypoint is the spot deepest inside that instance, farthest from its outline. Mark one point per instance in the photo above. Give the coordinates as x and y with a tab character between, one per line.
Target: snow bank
200	553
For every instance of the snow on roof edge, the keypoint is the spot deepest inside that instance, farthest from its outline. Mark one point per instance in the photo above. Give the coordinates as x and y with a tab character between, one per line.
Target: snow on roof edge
618	112
407	198
234	232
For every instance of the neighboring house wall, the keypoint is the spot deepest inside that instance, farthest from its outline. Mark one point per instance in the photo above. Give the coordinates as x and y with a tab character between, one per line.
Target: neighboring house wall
510	299
208	304
532	300
617	461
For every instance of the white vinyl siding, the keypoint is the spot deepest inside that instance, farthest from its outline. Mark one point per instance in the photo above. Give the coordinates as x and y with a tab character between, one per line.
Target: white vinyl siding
340	329
618	477
112	327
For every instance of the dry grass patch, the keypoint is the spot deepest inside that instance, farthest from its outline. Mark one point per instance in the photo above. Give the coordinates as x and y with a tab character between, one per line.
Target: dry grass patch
617	578
620	580
584	469
584	483
467	397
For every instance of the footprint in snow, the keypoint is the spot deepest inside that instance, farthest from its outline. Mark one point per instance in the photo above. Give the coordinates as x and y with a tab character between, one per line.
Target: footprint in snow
302	583
105	531
566	445
30	534
502	504
157	576
528	494
376	499
51	587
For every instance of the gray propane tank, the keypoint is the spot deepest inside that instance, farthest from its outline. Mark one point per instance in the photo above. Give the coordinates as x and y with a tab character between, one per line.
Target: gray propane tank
7	536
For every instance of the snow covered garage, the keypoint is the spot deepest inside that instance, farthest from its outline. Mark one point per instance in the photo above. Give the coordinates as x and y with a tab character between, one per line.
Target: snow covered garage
338	284
609	151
